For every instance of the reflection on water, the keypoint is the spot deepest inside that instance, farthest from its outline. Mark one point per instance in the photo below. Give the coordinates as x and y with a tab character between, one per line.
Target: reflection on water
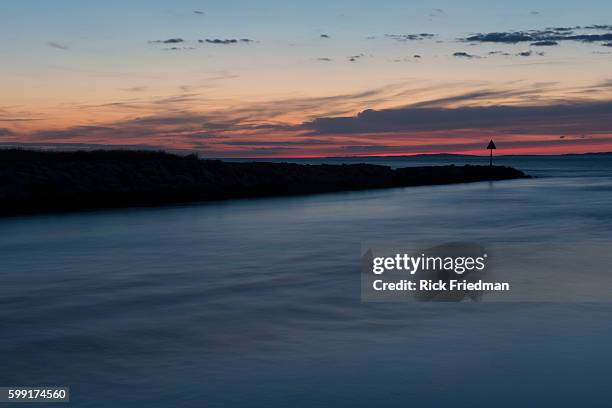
257	302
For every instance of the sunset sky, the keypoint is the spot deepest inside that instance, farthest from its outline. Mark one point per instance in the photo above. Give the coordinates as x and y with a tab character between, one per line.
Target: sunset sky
306	79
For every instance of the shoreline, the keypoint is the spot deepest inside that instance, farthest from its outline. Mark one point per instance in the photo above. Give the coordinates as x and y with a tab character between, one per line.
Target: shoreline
50	181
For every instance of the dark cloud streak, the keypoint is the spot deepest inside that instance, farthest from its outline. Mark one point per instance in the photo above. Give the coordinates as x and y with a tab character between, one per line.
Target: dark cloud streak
549	36
546	43
168	41
410	37
58	46
225	41
461	54
547	119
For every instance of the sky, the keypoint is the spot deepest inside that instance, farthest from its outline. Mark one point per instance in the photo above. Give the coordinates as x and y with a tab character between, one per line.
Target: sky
308	79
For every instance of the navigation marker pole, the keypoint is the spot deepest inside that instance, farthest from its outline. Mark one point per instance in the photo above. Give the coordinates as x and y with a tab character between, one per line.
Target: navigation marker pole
491	147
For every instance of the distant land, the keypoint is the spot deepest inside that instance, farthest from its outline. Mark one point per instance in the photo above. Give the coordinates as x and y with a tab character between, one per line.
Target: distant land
78	147
50	181
419	156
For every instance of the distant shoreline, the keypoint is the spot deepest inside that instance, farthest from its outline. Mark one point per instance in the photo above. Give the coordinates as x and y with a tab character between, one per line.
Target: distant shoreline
413	156
77	147
53	181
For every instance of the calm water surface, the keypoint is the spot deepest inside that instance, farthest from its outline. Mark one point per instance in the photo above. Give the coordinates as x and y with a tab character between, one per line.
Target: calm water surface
256	302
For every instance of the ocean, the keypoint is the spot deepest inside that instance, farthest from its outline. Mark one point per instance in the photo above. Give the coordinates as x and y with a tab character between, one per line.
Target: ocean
256	302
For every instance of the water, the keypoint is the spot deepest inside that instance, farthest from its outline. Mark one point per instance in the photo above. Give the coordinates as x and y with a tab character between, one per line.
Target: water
256	302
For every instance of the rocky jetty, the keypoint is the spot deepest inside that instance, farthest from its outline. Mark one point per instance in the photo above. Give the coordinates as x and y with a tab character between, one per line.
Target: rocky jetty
43	181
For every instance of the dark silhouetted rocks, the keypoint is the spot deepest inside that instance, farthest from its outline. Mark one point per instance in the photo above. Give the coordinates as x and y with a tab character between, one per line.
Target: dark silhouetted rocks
37	181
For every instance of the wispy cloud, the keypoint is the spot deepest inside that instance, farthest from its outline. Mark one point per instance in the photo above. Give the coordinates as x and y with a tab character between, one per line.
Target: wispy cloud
410	37
462	54
546	43
566	118
5	132
168	41
517	114
135	89
226	41
437	12
58	46
548	36
177	48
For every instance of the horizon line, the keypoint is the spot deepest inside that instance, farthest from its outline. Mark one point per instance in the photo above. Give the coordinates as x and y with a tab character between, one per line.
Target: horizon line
376	156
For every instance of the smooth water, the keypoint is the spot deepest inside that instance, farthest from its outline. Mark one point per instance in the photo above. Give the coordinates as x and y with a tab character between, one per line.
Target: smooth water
257	302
